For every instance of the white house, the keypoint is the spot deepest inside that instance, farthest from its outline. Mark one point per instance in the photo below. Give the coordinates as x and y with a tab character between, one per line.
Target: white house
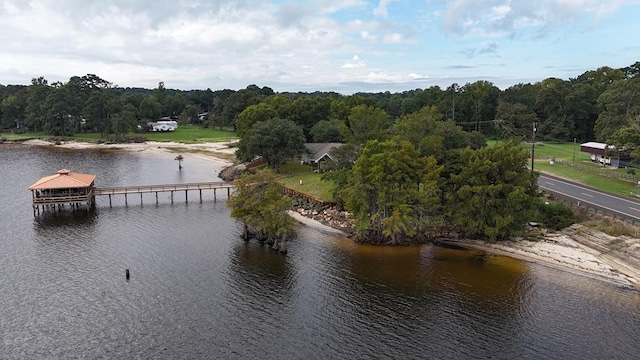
163	125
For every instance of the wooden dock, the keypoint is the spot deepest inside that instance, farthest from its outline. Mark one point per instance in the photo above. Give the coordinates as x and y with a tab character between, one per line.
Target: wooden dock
163	188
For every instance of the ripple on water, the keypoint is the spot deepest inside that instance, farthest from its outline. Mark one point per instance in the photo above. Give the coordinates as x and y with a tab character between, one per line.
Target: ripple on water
198	291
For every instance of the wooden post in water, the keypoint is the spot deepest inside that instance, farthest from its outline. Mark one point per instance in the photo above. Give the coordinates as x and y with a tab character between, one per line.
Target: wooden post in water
214	195
156	198
126	203
200	195
186	196
126	274
140	199
110	200
172	196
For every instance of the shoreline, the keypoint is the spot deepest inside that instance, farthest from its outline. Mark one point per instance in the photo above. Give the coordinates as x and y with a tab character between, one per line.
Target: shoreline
556	250
560	252
217	152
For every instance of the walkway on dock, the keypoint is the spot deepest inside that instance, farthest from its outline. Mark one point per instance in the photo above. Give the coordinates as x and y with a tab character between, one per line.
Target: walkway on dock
141	189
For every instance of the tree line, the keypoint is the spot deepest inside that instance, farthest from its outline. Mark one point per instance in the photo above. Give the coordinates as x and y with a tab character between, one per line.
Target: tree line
601	104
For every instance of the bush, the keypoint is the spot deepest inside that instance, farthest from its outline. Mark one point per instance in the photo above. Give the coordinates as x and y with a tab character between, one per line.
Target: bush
555	215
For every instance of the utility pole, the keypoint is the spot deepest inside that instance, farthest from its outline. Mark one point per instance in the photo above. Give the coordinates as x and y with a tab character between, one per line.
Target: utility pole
533	146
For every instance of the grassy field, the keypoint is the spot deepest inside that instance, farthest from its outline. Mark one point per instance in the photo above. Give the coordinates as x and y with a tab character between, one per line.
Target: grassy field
188	134
613	186
569	152
292	173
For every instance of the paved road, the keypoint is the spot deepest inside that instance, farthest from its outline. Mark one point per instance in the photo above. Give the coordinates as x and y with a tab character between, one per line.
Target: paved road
627	207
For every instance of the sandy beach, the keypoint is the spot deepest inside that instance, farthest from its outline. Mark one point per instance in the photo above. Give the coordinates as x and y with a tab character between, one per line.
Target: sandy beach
220	152
578	250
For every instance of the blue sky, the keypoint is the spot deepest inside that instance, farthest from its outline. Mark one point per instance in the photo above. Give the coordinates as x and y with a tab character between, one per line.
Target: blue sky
330	45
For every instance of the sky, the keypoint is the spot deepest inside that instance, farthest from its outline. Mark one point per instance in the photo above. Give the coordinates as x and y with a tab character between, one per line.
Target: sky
345	46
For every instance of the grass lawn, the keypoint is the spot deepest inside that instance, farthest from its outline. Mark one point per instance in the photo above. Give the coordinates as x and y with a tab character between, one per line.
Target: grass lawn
292	173
188	134
613	186
565	151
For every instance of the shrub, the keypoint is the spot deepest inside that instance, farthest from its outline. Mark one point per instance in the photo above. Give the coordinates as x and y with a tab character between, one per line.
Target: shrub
555	215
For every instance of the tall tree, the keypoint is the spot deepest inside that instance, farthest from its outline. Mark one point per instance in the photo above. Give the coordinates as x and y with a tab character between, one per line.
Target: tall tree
393	193
367	123
274	140
620	103
252	115
328	131
552	110
514	120
150	109
258	202
494	194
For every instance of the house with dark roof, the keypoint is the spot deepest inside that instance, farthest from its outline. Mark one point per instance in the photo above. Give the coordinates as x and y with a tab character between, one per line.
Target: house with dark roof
318	153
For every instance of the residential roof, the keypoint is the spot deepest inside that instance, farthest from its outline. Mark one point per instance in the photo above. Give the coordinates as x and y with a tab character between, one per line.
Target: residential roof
595	145
64	179
317	151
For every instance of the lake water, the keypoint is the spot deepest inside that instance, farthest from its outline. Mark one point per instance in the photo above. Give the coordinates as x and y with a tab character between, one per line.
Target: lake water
197	291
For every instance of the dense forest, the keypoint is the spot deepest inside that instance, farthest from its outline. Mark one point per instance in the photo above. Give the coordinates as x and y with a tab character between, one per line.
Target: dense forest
601	105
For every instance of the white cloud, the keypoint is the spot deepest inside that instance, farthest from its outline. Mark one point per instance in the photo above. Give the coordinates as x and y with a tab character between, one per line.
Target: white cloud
355	63
509	17
294	44
381	10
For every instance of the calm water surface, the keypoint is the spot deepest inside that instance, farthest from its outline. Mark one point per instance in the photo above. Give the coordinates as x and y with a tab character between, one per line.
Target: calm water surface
198	291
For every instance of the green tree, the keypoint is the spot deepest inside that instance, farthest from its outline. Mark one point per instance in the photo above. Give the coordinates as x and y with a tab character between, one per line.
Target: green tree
189	115
274	140
393	193
419	129
252	115
494	194
12	112
328	131
258	202
367	123
150	109
35	112
620	103
514	120
124	120
553	110
58	108
307	111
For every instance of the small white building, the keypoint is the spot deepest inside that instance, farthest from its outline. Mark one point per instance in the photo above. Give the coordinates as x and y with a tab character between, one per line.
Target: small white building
163	125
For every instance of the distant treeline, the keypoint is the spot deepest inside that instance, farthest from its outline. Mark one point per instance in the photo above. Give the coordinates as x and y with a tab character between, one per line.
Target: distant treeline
602	105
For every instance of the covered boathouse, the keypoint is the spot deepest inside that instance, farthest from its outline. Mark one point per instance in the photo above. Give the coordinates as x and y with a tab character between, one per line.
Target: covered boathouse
64	187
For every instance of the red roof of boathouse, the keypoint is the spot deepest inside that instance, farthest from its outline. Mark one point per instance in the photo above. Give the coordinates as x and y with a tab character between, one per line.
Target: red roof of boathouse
64	179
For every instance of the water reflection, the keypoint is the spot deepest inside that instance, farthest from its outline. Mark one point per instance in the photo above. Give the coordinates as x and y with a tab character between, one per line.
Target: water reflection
198	291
